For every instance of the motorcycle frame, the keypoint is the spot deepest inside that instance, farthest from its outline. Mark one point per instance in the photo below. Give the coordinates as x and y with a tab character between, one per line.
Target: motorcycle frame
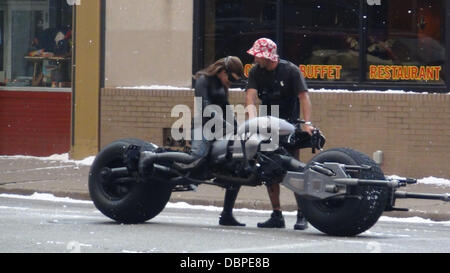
319	181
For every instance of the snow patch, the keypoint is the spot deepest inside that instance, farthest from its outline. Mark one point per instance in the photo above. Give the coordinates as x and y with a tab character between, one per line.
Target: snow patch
431	180
322	90
435	181
56	157
415	220
45	197
184	205
178	205
155	87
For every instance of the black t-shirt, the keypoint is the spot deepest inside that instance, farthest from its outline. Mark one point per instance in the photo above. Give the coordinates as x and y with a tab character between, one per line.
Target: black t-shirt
279	87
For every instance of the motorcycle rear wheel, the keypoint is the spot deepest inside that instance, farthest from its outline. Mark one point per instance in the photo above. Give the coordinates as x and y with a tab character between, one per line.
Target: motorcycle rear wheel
128	201
348	216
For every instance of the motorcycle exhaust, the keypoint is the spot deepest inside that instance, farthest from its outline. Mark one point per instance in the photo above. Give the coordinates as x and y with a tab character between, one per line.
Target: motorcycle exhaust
292	164
148	160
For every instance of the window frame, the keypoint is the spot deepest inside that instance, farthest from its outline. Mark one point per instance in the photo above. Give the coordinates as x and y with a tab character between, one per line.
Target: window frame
362	83
45	6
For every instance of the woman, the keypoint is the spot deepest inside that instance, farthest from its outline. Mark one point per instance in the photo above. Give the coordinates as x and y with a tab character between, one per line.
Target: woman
212	84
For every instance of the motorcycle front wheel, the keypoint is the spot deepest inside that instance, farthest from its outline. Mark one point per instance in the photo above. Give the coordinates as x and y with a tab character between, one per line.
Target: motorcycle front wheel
359	210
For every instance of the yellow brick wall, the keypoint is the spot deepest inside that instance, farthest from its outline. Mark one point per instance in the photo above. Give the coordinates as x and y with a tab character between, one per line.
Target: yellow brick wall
413	130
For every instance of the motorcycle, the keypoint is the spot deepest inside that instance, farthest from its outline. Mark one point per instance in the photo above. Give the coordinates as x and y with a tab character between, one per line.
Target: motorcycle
344	192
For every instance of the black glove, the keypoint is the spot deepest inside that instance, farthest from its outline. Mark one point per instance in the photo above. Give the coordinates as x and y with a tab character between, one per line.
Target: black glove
301	139
317	140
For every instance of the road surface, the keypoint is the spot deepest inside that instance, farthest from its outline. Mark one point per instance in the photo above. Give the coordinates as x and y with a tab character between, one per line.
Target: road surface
58	226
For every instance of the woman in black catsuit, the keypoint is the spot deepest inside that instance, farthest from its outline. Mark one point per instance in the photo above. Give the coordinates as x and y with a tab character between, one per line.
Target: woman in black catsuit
212	84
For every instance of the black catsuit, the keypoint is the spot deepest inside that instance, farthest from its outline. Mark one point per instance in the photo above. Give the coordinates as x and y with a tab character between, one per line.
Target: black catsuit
212	92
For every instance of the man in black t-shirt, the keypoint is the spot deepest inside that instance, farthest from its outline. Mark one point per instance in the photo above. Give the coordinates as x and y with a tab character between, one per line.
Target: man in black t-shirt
278	82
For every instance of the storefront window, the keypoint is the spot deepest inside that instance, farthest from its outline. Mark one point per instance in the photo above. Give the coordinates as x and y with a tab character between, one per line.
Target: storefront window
231	27
406	41
35	43
322	38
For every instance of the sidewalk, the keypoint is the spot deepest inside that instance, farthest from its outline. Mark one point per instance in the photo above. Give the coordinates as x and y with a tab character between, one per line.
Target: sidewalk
62	178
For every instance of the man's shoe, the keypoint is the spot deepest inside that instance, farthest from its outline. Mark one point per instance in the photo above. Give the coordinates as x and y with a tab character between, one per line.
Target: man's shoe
301	224
227	219
276	220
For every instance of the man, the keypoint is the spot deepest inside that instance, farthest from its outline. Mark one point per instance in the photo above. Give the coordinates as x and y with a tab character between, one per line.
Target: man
278	82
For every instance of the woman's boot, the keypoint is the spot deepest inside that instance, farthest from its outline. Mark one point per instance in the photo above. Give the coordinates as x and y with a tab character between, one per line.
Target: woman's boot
226	217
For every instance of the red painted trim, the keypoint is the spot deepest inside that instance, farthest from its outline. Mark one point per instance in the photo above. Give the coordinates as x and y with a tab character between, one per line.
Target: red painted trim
34	123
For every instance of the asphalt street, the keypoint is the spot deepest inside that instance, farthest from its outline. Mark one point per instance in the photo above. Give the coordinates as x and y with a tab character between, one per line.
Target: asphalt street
39	226
66	178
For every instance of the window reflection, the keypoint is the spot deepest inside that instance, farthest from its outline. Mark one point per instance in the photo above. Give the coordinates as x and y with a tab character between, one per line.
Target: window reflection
231	27
322	37
35	43
406	41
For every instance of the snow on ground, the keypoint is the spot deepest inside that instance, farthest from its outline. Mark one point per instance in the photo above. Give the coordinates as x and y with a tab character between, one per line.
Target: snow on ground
182	205
45	197
431	180
322	90
435	181
64	158
156	87
415	219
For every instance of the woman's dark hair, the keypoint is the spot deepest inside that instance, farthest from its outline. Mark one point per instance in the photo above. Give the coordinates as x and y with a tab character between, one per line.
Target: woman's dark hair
231	64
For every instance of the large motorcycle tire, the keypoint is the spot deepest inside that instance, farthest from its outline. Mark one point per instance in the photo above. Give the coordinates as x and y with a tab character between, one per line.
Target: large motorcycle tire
133	201
350	216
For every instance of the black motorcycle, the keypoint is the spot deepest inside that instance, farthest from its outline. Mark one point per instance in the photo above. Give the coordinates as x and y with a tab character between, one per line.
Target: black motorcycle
344	191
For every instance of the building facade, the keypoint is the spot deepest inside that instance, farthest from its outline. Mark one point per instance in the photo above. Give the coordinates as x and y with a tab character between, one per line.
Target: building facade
132	61
35	76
